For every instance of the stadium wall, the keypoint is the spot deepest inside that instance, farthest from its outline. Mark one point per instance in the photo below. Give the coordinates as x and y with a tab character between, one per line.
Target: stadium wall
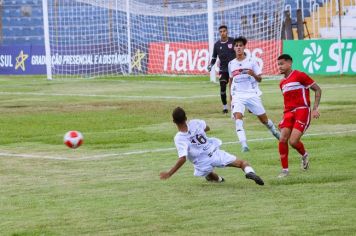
311	56
158	58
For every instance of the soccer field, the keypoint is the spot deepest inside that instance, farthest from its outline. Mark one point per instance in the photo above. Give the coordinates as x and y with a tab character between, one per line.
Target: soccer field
111	185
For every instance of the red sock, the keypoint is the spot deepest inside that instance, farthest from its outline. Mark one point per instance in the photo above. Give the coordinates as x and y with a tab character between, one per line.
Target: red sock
300	148
283	152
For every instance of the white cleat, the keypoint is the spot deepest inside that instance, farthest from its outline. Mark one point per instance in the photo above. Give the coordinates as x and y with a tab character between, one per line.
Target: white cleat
283	174
305	162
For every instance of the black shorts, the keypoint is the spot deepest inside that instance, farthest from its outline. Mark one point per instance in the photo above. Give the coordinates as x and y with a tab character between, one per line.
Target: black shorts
224	76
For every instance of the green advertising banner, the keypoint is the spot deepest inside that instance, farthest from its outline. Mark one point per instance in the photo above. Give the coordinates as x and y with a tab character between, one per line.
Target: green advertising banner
322	56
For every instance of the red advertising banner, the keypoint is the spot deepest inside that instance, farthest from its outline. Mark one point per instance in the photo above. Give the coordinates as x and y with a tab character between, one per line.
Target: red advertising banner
194	57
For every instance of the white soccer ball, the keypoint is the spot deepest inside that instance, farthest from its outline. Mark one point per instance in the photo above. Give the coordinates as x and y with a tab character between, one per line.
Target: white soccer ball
73	139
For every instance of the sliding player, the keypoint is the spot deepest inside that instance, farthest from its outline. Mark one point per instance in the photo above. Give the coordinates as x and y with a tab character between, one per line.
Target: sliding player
205	154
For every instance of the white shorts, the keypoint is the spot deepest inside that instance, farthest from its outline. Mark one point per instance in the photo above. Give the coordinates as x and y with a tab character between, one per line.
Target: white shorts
254	104
219	159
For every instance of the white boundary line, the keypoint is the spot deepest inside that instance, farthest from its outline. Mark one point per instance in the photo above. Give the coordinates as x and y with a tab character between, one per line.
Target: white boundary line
98	157
106	96
266	91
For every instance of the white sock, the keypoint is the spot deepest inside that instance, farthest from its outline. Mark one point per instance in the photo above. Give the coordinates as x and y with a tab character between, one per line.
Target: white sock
285	170
225	107
248	169
241	132
270	125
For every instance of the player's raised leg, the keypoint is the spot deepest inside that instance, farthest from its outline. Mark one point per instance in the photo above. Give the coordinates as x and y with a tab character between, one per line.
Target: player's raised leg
270	125
249	171
256	107
301	124
295	142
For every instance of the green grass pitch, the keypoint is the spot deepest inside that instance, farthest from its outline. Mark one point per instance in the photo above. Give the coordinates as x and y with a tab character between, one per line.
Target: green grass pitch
111	185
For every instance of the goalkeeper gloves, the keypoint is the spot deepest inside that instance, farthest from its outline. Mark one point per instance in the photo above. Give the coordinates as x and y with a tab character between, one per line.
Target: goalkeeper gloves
209	67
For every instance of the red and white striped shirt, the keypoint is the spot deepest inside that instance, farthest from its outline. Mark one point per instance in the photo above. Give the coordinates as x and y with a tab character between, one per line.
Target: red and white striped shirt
295	89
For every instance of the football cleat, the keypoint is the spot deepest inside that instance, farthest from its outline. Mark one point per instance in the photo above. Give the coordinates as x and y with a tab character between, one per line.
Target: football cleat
283	174
255	178
225	111
276	134
305	162
245	149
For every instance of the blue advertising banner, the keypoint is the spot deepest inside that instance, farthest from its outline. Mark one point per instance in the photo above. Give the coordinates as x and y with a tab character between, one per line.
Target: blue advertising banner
30	60
19	60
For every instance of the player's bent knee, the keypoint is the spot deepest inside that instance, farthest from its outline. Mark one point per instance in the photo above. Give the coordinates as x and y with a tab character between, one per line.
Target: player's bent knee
293	142
263	118
244	164
238	163
239	122
283	139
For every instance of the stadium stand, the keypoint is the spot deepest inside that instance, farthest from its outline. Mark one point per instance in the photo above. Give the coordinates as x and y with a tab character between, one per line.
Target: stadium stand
348	25
22	21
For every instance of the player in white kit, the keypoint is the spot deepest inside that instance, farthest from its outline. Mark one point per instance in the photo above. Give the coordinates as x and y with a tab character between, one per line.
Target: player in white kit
205	154
245	74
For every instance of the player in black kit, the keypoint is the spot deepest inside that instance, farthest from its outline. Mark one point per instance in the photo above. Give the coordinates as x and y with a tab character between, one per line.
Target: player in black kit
223	49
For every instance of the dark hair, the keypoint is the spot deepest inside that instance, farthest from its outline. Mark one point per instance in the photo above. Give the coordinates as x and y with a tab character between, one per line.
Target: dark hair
241	39
179	116
286	57
222	27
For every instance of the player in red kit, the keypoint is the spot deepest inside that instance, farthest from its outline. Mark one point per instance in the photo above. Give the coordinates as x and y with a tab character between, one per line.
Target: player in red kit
297	111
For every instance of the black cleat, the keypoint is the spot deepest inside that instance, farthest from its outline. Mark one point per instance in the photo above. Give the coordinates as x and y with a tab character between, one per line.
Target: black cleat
255	178
225	111
218	181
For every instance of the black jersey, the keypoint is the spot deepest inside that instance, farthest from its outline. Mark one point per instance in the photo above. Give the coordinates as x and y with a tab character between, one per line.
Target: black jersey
225	51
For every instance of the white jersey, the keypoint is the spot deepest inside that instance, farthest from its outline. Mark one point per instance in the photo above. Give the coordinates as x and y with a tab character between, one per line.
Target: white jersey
243	85
194	144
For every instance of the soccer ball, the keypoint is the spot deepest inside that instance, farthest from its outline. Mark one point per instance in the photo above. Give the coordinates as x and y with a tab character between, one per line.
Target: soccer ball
73	139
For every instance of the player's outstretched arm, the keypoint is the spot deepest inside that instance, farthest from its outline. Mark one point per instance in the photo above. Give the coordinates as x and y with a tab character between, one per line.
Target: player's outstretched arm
179	163
317	90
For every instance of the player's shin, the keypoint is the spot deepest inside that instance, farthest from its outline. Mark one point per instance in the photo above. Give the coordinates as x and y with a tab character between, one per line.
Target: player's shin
223	99
300	148
249	169
223	94
241	132
272	128
283	152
